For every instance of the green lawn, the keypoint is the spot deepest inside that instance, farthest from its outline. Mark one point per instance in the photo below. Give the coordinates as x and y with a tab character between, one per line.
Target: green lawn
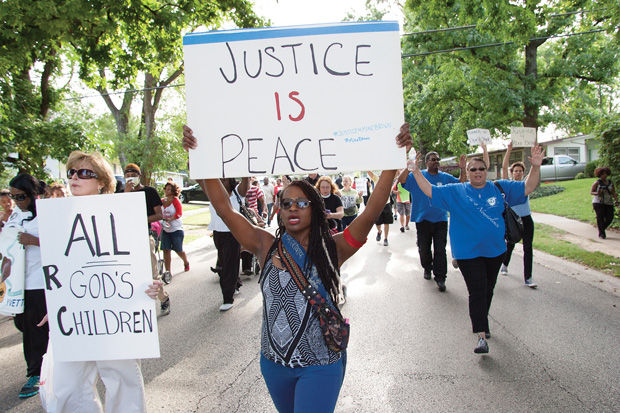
201	219
574	202
548	239
191	207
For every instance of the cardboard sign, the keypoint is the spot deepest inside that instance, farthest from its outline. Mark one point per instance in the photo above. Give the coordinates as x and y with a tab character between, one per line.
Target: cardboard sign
478	136
12	258
522	137
294	100
96	261
360	185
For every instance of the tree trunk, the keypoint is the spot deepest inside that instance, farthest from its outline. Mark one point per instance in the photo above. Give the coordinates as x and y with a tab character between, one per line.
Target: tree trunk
530	106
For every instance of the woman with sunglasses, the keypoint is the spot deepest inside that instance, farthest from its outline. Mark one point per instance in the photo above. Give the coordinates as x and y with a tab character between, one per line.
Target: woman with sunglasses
477	230
301	372
24	190
75	381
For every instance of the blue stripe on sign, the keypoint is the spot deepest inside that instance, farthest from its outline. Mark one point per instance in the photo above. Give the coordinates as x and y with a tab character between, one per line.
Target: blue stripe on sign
290	31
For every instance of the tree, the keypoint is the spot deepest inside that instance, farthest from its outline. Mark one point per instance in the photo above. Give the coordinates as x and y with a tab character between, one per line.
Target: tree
525	79
145	46
33	39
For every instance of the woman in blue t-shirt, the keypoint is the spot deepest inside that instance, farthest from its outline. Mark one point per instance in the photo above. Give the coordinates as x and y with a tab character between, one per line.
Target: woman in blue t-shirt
517	171
477	230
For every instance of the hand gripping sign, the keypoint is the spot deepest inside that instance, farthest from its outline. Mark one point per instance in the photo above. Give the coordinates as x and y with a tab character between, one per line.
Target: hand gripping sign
97	265
285	100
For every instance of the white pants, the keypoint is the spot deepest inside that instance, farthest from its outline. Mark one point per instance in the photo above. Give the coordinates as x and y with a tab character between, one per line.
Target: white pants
75	386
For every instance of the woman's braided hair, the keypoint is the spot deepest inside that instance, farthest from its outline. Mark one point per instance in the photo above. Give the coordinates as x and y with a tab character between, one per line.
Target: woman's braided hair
322	251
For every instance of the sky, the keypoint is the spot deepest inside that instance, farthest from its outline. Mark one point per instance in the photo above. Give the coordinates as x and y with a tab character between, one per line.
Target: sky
294	12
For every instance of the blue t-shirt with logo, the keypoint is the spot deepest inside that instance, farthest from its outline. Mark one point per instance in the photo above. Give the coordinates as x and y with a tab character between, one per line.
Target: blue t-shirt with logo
476	224
421	207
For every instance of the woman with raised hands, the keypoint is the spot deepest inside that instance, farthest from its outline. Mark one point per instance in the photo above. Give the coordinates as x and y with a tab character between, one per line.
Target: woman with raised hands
302	372
477	229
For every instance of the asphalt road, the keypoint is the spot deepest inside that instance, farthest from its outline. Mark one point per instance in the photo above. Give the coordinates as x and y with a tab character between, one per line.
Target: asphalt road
553	349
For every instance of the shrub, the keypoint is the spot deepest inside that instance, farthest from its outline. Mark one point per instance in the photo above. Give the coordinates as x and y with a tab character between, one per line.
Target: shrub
590	167
546	191
580	175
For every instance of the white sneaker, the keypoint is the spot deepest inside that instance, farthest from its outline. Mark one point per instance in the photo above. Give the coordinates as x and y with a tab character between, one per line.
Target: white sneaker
226	306
530	283
503	270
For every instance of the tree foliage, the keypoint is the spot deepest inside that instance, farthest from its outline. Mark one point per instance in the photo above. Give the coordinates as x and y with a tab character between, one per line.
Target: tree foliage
532	76
608	133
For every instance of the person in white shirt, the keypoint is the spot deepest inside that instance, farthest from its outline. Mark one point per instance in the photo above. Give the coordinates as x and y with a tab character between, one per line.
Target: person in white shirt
270	194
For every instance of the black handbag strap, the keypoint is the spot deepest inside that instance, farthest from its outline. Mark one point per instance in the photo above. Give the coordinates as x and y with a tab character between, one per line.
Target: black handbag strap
506	206
307	290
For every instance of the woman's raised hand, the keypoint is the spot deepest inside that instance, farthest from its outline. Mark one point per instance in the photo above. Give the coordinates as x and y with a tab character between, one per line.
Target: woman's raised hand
537	155
189	140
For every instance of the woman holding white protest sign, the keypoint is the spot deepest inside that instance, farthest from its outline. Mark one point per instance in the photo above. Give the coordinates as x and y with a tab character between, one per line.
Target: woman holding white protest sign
24	190
74	382
304	337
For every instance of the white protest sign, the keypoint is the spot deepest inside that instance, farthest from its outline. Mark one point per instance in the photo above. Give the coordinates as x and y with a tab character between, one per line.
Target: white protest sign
299	99
360	185
522	137
12	258
478	136
96	261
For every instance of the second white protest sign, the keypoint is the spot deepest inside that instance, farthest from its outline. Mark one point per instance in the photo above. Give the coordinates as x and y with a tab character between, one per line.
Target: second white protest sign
96	261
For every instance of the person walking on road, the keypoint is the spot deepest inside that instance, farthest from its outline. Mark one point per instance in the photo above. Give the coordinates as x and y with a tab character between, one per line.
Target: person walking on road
301	371
517	172
602	193
270	195
403	205
32	323
227	245
154	214
172	229
477	230
431	222
350	199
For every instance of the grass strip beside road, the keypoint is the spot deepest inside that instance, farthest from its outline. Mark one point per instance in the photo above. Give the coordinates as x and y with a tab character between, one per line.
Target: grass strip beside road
201	219
574	202
549	239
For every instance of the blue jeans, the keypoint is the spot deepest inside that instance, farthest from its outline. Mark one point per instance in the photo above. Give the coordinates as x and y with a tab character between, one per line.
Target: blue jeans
304	389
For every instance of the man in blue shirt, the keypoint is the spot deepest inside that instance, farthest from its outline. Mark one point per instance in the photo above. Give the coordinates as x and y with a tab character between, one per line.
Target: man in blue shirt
431	222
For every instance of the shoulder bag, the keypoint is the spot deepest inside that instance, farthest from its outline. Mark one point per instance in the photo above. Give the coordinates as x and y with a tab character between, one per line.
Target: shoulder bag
514	223
334	327
245	211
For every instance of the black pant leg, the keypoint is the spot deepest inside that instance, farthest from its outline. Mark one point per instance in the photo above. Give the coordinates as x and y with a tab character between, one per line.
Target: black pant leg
492	266
608	215
35	338
508	254
528	253
424	231
229	274
474	274
440	261
599	209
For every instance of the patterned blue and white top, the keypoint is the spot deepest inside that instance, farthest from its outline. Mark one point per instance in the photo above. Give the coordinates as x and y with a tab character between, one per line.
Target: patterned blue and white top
291	334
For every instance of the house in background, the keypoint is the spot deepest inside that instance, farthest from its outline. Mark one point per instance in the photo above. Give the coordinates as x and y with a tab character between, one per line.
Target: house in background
582	148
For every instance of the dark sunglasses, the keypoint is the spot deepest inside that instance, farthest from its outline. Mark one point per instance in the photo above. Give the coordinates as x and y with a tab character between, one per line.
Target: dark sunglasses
482	168
81	173
18	197
302	203
433	160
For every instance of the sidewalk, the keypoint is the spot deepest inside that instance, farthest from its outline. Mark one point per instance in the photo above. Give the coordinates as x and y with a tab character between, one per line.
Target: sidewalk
582	234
